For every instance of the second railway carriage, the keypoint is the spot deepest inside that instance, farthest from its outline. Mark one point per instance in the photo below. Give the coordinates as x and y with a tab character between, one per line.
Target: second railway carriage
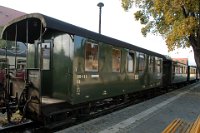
68	64
179	72
174	72
192	74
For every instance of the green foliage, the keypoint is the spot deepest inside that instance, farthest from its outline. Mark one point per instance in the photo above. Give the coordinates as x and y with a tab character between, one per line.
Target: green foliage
176	20
126	4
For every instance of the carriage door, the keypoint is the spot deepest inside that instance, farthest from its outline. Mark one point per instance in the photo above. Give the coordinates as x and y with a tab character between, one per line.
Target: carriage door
45	50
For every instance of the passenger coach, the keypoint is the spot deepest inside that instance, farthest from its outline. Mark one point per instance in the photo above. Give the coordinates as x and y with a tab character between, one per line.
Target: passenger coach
69	64
193	74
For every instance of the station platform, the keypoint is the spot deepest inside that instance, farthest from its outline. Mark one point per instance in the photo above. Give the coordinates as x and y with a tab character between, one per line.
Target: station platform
151	116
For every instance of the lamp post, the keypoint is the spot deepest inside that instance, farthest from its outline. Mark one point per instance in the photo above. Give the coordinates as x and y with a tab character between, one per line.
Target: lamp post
100	5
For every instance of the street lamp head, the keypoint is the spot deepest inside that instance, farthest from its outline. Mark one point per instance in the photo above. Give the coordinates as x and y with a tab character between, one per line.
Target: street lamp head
100	4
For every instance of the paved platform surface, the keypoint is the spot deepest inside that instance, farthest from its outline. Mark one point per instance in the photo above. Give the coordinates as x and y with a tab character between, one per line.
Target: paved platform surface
151	116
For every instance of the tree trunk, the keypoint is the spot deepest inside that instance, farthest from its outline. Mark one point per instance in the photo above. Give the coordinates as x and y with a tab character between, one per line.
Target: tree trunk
197	56
195	43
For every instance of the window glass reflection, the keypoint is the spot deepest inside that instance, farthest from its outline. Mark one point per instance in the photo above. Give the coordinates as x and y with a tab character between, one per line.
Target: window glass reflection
91	57
116	60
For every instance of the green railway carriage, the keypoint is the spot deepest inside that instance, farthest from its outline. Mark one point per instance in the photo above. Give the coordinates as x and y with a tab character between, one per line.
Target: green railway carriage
192	73
69	64
174	72
179	72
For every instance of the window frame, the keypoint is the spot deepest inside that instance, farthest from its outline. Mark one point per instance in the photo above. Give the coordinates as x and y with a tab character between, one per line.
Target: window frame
143	67
85	58
151	63
120	60
132	55
158	63
42	55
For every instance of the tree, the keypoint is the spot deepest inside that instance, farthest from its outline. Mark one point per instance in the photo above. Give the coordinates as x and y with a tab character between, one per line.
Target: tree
178	21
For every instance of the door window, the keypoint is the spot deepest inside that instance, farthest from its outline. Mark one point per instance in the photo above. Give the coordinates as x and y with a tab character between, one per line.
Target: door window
158	65
151	64
130	62
141	62
45	56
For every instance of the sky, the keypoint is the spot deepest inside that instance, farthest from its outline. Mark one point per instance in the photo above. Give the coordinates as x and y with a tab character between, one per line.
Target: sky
116	22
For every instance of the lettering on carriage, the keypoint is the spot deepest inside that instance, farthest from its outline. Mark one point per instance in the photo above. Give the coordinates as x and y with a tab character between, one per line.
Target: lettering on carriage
136	77
78	81
78	76
33	75
78	90
81	76
104	93
84	76
87	96
94	76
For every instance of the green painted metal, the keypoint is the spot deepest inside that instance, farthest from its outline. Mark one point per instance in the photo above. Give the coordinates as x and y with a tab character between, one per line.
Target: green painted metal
68	80
90	86
62	72
178	78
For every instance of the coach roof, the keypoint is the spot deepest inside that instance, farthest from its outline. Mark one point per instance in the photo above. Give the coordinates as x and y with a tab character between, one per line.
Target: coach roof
35	19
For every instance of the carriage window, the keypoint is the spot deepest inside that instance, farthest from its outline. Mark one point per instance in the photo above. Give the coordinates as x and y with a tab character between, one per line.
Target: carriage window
181	69
31	56
141	62
45	53
185	70
116	60
91	57
130	62
193	71
176	69
3	63
151	64
158	65
21	63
